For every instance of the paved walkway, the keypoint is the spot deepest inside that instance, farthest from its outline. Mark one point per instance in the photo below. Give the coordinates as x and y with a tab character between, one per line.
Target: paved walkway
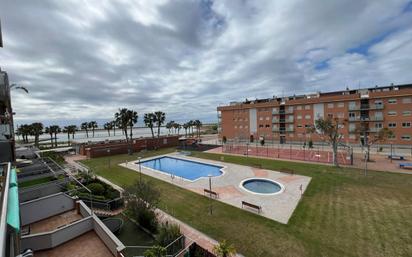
278	207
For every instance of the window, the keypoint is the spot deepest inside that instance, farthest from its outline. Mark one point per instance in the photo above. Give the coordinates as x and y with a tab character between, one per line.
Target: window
392	124
307	126
341	105
307	117
307	107
352	136
290	108
406	124
330	115
299	107
406	100
392	113
260	125
246	126
240	126
260	118
378	125
340	115
235	127
352	104
392	101
299	117
267	118
407	113
240	119
406	137
267	126
299	125
391	136
351	115
331	105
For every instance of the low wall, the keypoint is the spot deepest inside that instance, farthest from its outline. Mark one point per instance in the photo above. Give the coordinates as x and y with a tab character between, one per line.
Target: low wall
48	240
45	207
108	148
42	190
108	238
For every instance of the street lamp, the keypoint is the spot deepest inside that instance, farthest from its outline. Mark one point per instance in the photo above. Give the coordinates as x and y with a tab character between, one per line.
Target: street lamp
140	171
210	194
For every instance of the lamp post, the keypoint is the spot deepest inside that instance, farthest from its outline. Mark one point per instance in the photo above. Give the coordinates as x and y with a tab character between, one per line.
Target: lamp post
108	154
140	171
210	194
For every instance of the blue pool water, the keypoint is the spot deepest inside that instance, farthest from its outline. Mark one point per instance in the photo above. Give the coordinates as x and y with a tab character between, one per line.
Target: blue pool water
187	169
261	186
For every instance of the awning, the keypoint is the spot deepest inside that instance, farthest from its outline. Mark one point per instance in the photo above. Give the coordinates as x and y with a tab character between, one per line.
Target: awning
13	178
13	212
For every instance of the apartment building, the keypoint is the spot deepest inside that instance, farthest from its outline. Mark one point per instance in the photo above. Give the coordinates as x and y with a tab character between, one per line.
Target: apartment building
287	119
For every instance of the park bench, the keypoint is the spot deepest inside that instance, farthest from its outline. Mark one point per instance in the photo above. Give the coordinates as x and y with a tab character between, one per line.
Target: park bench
396	157
405	165
253	206
211	193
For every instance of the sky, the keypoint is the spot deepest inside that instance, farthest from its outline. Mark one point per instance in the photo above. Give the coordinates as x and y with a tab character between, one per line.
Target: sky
83	60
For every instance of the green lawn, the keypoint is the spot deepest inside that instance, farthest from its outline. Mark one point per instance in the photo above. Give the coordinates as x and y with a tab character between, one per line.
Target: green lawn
342	212
35	182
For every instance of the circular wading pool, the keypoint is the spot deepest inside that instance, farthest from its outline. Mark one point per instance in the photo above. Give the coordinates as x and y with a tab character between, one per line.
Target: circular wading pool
262	186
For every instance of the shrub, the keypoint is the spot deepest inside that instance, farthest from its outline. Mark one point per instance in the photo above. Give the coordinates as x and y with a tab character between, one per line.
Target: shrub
96	188
142	200
168	233
155	251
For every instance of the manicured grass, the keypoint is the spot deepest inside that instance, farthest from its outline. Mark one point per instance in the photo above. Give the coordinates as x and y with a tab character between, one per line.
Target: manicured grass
35	182
342	213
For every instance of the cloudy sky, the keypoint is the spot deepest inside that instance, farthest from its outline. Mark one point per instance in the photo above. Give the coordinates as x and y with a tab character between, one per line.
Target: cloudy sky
83	60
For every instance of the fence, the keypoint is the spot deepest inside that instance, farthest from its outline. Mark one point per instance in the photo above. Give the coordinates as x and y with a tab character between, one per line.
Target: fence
319	153
173	249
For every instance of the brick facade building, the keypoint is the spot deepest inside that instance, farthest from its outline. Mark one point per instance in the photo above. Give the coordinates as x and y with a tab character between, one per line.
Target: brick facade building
287	119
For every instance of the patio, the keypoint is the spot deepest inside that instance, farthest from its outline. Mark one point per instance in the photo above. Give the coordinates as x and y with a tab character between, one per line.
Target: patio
277	207
54	222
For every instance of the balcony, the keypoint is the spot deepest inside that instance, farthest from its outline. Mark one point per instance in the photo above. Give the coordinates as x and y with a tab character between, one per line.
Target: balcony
365	119
277	112
366	107
276	120
283	130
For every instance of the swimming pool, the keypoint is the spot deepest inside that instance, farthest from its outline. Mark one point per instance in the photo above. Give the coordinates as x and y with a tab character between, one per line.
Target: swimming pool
262	186
189	170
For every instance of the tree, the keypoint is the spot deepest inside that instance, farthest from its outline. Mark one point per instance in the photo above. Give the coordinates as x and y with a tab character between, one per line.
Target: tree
186	126
169	125
142	200
66	129
177	127
108	126
198	125
160	118
224	249
126	119
329	130
56	130
85	126
114	125
49	130
149	120
36	131
378	137
92	125
168	233
191	124
73	130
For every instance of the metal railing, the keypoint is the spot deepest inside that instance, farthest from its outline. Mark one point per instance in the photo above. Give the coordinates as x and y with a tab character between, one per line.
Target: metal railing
3	214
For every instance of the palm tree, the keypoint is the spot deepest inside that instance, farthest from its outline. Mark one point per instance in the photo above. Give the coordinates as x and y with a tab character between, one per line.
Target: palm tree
186	126
149	120
178	127
191	124
224	249
127	118
160	118
56	130
108	126
198	125
49	130
114	125
67	129
169	125
93	126
85	126
15	86
73	130
37	130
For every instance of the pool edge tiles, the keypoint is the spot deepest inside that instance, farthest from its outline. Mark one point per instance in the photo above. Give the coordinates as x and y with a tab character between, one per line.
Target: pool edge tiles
241	186
174	173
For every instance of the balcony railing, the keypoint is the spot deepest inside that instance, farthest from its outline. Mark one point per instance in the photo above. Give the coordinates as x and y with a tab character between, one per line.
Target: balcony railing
366	119
278	112
283	130
276	120
366	107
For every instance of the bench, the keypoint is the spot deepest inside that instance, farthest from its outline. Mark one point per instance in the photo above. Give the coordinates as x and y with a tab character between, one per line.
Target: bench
211	193
396	157
253	206
405	165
